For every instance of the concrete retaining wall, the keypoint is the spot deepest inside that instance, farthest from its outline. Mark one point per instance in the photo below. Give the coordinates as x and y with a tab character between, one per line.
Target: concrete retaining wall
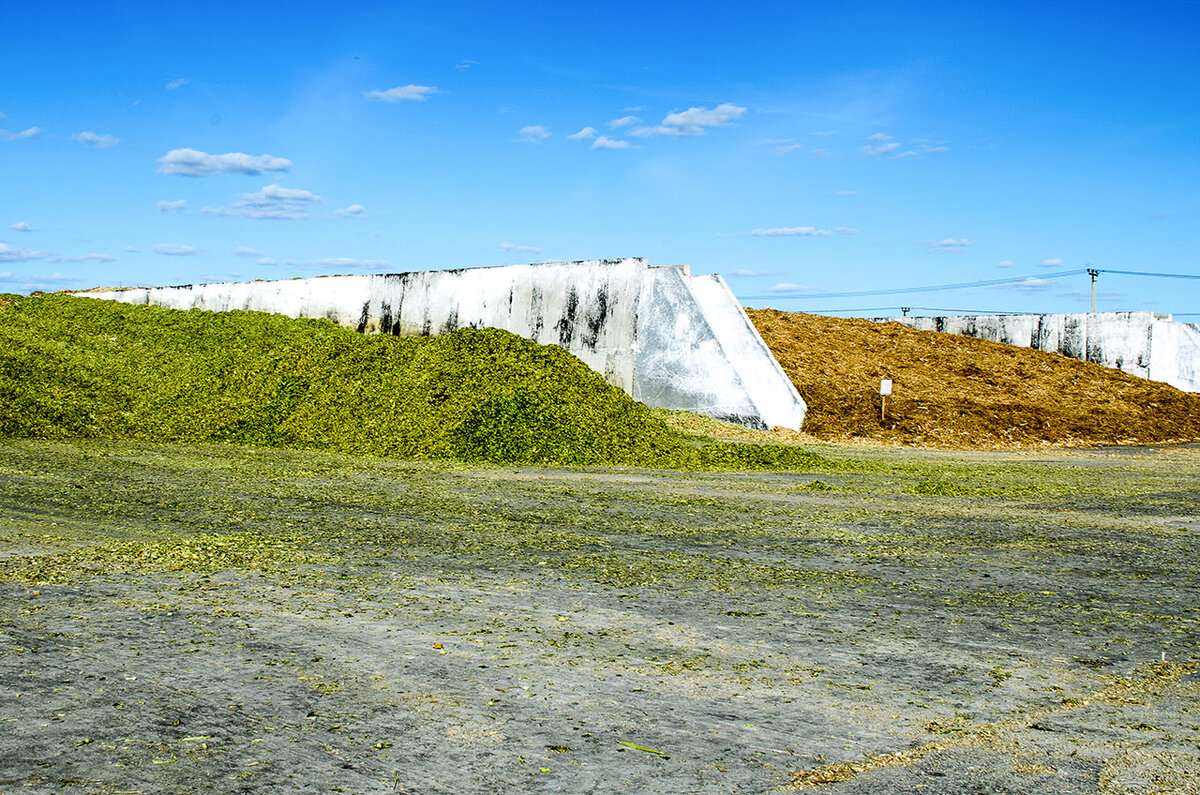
1139	343
665	337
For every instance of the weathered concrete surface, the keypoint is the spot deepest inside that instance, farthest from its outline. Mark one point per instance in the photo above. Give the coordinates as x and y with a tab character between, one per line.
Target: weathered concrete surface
1144	344
665	337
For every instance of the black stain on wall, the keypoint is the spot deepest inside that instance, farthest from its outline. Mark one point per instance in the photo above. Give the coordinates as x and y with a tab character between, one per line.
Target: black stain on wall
595	318
566	324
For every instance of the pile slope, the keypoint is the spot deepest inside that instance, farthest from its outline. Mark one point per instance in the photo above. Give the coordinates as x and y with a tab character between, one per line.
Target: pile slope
953	391
78	367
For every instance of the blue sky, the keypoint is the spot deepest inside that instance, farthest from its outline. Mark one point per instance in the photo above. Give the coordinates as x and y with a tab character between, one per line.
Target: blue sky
799	149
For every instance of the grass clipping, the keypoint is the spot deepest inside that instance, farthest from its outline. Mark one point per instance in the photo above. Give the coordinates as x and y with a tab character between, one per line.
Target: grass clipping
80	367
955	391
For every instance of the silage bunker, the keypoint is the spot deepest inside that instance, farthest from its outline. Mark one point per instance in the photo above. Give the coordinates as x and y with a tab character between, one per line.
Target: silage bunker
667	338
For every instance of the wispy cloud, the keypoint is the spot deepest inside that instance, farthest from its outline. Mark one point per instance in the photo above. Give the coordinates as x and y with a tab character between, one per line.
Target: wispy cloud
176	250
879	137
28	132
409	93
624	121
1051	263
533	134
789	287
604	142
194	163
271	202
242	251
881	149
93	257
17	254
1005	263
1029	284
328	263
507	246
693	121
951	244
92	139
847	230
171	207
845	193
583	135
743	273
353	211
465	64
791	231
178	82
37	282
22	226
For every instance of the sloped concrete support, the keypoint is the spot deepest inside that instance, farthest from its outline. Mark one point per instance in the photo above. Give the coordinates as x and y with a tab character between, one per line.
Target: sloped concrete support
1144	344
663	336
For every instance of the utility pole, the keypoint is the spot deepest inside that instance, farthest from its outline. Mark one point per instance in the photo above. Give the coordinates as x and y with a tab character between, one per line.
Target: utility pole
1093	272
905	309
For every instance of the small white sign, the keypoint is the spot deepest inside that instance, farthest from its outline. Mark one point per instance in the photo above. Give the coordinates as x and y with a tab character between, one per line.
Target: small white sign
885	387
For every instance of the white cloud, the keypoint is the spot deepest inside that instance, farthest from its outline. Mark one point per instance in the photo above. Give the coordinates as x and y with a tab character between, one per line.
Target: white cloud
409	93
194	163
847	230
98	141
506	246
747	273
178	82
242	251
791	231
788	287
923	149
176	250
845	193
583	135
879	137
133	249
534	133
353	211
1004	263
950	244
37	282
343	262
93	257
783	150
624	121
1028	285
604	142
171	207
17	254
22	226
882	149
28	132
273	201
693	121
824	133
1051	263
327	263
465	64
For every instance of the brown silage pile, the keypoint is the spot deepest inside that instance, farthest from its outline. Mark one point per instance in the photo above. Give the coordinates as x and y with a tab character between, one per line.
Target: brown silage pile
954	391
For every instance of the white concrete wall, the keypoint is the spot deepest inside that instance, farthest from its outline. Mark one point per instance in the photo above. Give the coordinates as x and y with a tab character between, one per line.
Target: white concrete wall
665	337
1139	343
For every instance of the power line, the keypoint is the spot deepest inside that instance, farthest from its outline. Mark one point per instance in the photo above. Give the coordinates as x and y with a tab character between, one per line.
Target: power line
929	289
1159	275
923	309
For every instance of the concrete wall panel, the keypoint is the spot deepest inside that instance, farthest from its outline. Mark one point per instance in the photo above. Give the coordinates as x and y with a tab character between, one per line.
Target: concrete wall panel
1138	343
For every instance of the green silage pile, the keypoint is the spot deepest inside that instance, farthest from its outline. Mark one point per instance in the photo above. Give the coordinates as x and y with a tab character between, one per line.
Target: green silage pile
79	367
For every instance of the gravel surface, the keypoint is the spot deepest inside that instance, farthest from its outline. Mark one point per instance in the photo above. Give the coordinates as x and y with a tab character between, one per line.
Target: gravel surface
215	618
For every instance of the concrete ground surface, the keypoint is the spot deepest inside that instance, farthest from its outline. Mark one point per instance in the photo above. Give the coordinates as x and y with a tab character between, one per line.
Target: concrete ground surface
214	618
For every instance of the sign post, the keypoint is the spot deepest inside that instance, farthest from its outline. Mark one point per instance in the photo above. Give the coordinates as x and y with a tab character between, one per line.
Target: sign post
885	389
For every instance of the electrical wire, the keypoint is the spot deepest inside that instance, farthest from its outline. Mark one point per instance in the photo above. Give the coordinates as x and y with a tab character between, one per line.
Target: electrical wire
1158	275
929	289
